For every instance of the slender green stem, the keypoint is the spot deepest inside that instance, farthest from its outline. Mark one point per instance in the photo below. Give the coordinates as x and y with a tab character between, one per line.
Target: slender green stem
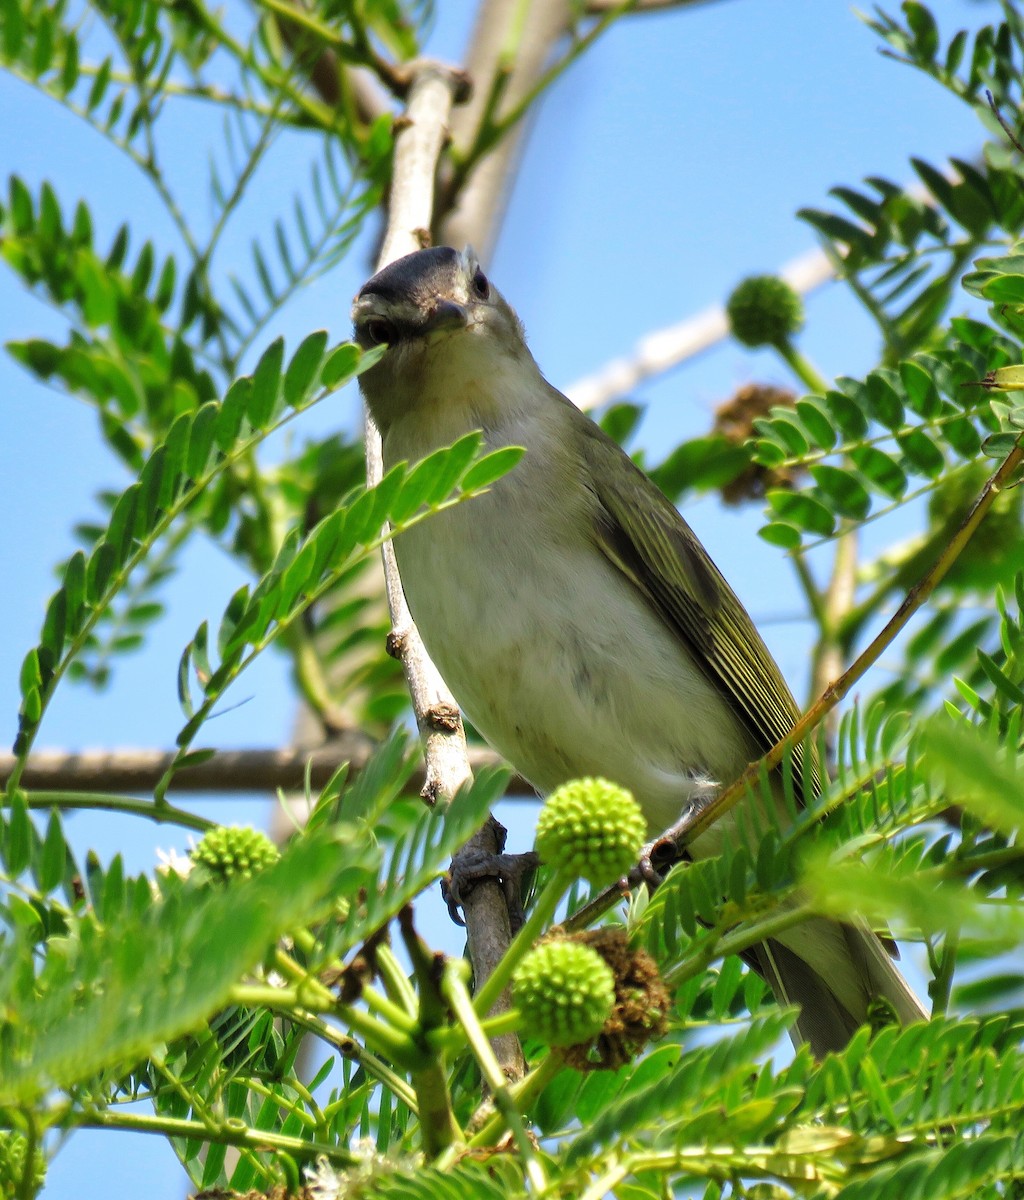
453	988
439	1128
396	982
535	924
391	1012
320	115
306	21
163	814
834	693
352	1049
831	653
721	945
812	593
603	1184
523	1095
225	1134
941	984
201	1107
292	1107
260	147
312	679
801	366
290	1000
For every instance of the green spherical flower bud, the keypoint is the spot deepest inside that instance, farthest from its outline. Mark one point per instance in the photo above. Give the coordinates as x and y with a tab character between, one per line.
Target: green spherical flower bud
13	1148
592	828
565	992
764	310
234	852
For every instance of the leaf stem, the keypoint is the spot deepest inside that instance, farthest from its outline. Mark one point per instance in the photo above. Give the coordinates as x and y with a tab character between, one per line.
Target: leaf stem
226	1134
163	814
454	990
523	1094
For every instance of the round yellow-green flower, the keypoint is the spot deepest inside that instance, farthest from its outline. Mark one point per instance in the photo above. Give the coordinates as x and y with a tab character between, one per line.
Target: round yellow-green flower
764	310
234	852
565	992
591	828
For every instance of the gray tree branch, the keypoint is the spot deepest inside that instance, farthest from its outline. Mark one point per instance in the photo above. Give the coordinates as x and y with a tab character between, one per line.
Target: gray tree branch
420	137
228	772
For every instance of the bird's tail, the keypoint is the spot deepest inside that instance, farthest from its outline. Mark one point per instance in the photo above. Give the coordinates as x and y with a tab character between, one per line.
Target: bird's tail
842	975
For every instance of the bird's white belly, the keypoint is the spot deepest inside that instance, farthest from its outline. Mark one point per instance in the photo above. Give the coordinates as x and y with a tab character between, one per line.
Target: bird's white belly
559	660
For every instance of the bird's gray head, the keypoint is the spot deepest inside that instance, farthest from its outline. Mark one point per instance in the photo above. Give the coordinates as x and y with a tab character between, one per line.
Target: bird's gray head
448	330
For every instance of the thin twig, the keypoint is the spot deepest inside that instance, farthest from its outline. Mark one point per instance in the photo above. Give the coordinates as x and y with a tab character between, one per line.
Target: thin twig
1003	122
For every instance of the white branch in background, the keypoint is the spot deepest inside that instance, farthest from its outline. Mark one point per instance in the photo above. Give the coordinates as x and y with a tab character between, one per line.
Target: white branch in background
419	139
666	348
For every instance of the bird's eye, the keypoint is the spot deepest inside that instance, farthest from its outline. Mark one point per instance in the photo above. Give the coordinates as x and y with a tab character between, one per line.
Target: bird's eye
480	285
378	331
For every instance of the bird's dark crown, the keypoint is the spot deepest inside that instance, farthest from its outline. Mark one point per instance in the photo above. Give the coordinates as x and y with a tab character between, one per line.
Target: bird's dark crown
418	277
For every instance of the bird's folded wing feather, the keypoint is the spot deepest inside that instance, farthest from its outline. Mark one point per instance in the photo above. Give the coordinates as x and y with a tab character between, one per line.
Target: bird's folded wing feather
641	532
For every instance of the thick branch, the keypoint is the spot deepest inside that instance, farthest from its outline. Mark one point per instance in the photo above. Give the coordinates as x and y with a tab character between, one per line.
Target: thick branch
666	348
228	772
418	144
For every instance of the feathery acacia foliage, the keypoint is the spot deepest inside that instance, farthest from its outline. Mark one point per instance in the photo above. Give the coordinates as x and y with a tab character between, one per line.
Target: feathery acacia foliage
196	997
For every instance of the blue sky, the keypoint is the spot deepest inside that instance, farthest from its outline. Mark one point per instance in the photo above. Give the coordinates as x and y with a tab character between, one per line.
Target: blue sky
661	169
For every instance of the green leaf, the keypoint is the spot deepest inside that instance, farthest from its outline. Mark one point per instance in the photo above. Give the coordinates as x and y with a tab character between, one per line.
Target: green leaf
963	437
301	375
803	511
782	534
847	415
102	564
921	452
200	441
17	847
883	399
620	420
816	420
55	625
449	469
231	412
128	992
343	362
491	468
845	493
74	590
266	383
881	470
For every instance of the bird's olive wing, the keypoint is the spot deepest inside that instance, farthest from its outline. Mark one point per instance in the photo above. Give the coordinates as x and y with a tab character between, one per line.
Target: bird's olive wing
641	532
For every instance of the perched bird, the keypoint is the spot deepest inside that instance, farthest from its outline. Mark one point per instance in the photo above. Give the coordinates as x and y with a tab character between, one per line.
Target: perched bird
574	614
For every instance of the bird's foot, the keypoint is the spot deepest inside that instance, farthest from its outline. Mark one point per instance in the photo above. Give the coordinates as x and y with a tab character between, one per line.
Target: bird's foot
659	856
471	865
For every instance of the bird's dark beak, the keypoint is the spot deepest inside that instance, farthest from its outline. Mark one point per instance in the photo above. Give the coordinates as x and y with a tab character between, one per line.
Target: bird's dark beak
446	314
